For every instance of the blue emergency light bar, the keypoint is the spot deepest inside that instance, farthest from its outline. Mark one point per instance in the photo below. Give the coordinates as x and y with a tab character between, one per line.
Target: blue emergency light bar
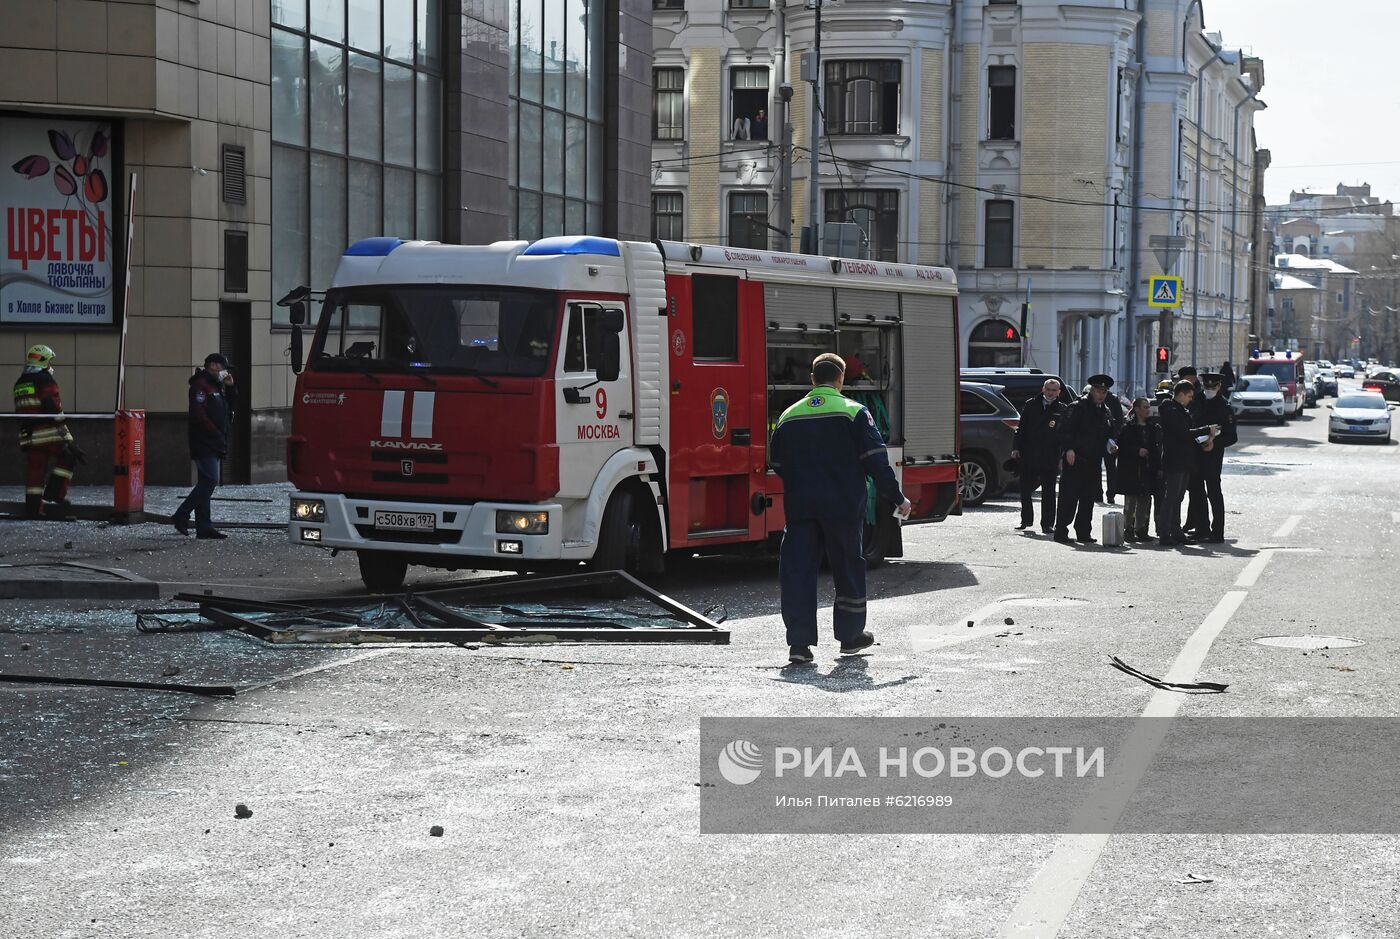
373	247
574	244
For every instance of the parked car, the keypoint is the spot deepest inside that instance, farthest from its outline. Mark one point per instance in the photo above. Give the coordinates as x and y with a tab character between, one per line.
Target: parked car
1346	371
1384	381
1326	382
1310	392
1360	415
988	424
1019	384
1258	396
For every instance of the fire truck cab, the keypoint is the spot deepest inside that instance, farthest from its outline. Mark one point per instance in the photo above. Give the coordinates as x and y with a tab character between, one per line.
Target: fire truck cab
578	400
1288	368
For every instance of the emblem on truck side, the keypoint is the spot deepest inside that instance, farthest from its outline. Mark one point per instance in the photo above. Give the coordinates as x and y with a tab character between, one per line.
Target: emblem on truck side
719	412
405	445
406	467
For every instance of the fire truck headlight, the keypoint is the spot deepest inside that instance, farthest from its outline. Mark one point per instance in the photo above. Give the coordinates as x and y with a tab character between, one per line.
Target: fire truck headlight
522	523
308	510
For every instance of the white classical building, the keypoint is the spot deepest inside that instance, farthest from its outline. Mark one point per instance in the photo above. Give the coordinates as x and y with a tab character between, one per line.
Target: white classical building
999	138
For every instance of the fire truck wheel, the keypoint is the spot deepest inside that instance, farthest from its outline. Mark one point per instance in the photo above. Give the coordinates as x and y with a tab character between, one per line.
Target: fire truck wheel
382	571
974	479
619	536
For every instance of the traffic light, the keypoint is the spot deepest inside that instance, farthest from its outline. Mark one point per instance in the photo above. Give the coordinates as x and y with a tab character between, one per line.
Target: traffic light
1012	334
1164	357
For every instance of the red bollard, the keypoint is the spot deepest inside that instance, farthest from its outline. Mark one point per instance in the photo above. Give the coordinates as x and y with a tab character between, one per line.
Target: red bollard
129	467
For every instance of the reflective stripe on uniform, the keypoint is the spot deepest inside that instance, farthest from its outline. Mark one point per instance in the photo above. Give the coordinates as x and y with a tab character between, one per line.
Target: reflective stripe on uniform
872	451
823	401
33	490
62	473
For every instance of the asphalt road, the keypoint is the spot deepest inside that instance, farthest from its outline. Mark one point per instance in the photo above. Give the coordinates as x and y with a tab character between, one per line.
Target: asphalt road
566	778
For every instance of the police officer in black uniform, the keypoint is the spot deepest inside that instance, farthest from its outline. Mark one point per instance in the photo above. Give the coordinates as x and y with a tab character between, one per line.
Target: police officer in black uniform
823	448
1037	448
1210	408
1110	462
1086	437
1181	448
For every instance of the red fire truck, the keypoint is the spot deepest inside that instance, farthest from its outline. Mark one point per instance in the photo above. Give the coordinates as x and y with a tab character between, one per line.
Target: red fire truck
577	400
1287	367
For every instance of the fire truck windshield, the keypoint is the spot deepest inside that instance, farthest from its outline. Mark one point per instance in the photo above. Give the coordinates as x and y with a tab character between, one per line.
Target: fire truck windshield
473	330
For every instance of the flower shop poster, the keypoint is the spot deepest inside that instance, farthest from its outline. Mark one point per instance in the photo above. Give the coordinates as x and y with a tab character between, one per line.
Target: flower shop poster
56	192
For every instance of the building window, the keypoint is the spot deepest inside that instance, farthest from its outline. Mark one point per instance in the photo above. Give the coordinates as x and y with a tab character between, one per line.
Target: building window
235	262
557	65
668	216
998	236
668	4
714	306
233	175
668	104
1288	304
748	4
356	131
874	211
1001	102
862	97
748	219
748	103
994	344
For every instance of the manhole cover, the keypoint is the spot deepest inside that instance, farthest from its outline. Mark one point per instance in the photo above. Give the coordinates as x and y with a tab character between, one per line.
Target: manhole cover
1309	642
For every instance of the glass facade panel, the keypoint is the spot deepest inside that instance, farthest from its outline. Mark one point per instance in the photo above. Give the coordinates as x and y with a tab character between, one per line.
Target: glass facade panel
364	25
530	143
328	19
557	143
398	203
327	97
289	227
398	115
327	216
289	13
288	87
366	108
366	203
429	122
329	101
429	211
398	30
429	36
553	151
554	52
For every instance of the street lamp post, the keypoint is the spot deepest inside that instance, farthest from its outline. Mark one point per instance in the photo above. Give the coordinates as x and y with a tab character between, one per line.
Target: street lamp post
814	218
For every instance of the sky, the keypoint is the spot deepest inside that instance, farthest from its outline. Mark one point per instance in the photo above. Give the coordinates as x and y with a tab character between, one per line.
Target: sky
1331	87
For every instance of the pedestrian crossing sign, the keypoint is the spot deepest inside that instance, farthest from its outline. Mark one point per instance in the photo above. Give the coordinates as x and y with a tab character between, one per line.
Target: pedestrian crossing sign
1164	291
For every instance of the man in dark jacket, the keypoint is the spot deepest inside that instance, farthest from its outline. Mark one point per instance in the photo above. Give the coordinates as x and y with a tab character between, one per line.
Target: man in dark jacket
823	448
1037	447
212	401
1086	437
1110	462
1211	407
1181	447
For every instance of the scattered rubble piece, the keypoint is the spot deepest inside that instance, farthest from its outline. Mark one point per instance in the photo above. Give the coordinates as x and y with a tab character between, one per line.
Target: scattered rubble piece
1189	687
1193	879
1009	621
242	811
435	831
488	611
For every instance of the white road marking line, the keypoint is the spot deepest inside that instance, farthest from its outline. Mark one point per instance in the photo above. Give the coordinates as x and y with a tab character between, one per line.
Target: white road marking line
1250	575
1044	908
925	638
1288	525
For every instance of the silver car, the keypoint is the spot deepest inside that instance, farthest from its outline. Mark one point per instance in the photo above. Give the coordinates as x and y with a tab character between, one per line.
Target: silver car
1361	415
1257	396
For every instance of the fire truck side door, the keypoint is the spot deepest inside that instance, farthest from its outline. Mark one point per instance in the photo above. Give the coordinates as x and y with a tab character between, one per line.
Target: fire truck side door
592	417
716	426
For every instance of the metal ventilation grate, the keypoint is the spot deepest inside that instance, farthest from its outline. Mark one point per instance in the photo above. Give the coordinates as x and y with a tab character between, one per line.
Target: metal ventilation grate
234	175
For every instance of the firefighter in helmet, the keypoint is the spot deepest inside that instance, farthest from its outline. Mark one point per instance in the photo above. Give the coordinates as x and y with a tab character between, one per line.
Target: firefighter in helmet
44	438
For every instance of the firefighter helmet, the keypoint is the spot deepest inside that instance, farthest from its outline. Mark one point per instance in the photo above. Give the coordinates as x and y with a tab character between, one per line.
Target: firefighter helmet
40	356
